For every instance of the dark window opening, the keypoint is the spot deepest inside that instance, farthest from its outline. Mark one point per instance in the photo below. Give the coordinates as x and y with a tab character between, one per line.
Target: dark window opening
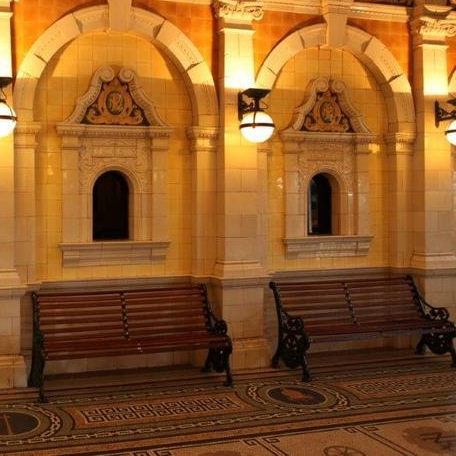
110	207
320	205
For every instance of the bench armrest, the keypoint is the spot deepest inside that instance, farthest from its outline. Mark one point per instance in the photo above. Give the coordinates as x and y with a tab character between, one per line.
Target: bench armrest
216	325
430	312
435	313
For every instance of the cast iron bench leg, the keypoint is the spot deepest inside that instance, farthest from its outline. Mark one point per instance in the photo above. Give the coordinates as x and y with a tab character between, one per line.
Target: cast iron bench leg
229	377
208	363
306	376
275	359
421	347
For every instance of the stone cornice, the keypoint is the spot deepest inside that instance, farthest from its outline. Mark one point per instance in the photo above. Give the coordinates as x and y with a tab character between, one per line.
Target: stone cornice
117	131
358	10
202	132
238	10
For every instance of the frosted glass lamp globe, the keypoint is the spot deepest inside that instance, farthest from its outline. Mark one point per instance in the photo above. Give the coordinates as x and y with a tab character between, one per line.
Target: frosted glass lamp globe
257	126
7	119
451	133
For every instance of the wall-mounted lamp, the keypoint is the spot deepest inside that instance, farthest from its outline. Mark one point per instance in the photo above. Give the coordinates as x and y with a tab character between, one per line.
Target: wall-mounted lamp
256	126
7	116
441	115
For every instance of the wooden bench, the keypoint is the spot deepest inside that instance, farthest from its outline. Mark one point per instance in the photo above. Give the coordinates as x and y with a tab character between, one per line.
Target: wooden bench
330	311
87	325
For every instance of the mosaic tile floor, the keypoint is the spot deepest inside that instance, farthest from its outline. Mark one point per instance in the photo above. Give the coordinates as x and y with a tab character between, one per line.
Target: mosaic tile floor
368	403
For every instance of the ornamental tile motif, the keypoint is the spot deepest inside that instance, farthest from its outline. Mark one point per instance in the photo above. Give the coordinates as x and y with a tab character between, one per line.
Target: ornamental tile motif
234	9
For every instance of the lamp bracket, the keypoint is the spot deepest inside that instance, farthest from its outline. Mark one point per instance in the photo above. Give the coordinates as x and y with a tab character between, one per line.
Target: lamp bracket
5	81
255	96
442	115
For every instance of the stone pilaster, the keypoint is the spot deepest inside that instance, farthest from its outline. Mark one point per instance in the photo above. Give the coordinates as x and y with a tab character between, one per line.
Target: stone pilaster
433	225
12	366
400	216
239	276
25	142
203	144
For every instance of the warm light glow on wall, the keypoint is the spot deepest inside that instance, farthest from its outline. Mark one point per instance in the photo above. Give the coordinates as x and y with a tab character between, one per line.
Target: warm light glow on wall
436	86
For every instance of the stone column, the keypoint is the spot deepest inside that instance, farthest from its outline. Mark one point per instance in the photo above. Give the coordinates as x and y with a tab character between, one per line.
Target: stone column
12	366
433	222
363	148
25	198
239	277
203	144
400	181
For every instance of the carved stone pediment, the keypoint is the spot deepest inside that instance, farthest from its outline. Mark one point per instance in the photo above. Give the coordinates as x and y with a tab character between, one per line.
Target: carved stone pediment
115	98
328	109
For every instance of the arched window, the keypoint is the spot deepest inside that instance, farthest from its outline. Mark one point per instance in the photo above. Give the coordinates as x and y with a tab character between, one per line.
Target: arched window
110	207
320	210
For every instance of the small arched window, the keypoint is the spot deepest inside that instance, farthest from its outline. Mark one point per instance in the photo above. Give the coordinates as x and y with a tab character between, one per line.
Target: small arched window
110	207
320	211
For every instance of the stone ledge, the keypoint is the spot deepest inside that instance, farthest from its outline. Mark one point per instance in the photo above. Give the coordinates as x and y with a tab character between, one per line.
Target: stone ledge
327	246
113	252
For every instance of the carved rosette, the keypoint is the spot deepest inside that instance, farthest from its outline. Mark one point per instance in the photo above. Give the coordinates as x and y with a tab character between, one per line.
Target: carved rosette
240	10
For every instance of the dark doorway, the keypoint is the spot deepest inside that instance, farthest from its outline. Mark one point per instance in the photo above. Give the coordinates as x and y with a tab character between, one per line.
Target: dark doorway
320	205
110	207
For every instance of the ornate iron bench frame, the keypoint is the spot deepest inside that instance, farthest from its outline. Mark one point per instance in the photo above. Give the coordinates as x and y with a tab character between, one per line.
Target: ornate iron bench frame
217	358
293	340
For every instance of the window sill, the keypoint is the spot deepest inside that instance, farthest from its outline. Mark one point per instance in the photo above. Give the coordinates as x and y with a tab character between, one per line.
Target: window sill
315	246
102	253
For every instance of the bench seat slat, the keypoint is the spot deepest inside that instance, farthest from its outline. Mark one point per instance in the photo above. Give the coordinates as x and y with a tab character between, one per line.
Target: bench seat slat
310	307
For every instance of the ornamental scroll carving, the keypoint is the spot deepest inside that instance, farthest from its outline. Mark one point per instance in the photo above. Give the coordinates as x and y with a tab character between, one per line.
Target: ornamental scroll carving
115	99
234	9
115	106
327	115
328	109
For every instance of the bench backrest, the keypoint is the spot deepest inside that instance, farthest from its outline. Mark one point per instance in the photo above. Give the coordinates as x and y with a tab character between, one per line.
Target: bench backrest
73	317
383	300
163	312
355	301
158	312
318	303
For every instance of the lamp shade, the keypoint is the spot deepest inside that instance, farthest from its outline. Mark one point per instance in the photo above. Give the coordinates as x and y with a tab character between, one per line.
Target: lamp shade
7	119
451	133
257	126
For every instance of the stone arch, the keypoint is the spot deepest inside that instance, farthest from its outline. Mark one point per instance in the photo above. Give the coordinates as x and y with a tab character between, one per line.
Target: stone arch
159	31
370	51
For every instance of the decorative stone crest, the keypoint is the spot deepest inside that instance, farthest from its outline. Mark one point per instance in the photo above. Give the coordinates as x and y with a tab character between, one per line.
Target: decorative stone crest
328	109
115	106
115	100
327	115
236	9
